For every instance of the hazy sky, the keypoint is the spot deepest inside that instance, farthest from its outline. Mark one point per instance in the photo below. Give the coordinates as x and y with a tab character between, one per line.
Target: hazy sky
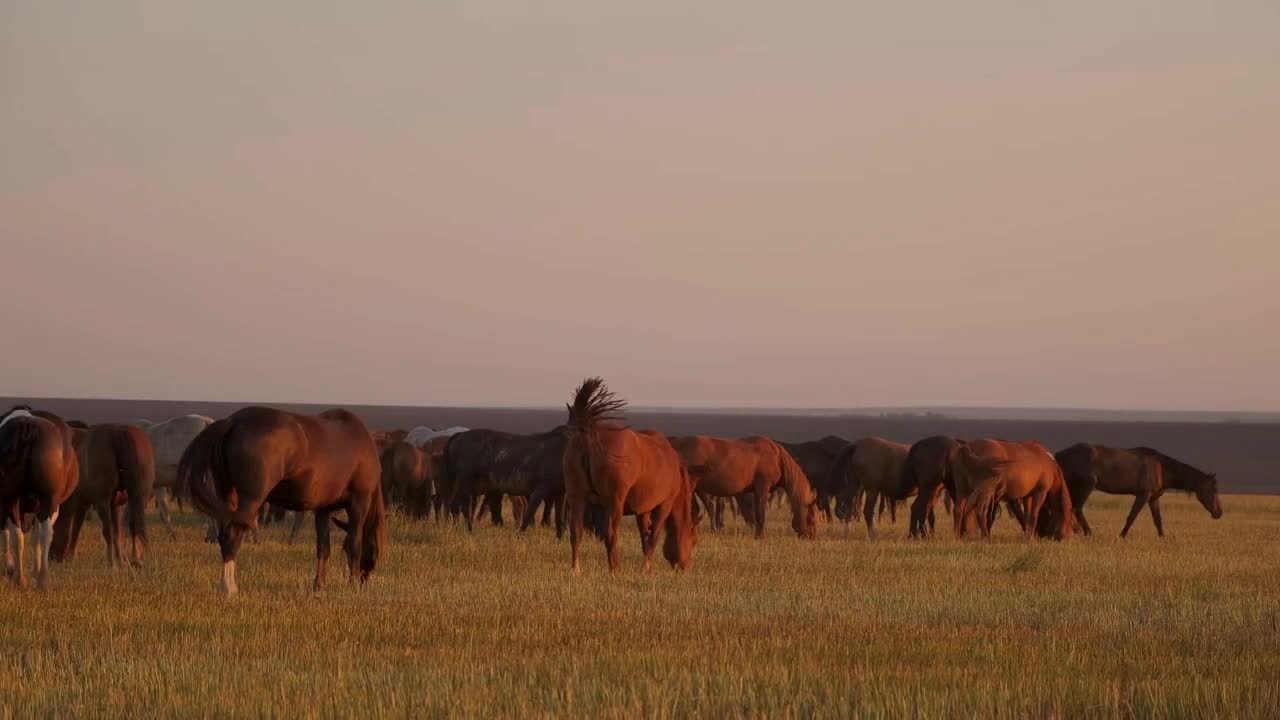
713	203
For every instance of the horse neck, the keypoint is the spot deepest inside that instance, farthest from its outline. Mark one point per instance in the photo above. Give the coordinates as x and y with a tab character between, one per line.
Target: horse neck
1172	475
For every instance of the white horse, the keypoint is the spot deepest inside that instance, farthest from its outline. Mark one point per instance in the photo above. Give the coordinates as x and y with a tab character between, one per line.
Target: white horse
422	436
170	439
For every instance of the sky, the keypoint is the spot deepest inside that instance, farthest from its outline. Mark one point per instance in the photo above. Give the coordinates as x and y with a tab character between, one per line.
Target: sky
826	204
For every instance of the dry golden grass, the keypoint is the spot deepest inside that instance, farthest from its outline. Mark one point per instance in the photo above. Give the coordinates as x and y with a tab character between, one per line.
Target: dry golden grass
494	624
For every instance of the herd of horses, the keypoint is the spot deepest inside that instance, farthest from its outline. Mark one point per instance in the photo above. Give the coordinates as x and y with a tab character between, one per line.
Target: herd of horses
589	473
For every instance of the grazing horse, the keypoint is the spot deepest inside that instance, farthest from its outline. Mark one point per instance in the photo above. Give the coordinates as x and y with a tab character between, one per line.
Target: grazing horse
728	468
928	467
487	463
169	440
321	463
38	472
1025	473
1141	472
117	469
608	464
407	478
872	467
815	458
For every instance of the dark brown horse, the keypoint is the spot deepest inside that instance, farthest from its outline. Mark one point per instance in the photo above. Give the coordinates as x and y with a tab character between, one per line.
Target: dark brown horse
1141	472
729	468
928	467
490	464
117	472
38	472
1026	473
815	457
873	468
621	470
322	464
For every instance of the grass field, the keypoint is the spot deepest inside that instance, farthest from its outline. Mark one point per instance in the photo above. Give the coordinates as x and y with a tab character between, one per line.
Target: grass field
494	624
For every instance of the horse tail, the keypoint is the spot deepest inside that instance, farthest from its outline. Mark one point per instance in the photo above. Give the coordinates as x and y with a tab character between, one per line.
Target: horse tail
137	475
983	496
17	437
1065	506
200	463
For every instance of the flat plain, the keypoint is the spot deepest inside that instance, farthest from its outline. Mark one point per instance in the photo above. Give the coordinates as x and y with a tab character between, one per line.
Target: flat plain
494	624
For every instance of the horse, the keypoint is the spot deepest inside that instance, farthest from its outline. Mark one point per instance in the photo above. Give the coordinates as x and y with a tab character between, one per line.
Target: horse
1025	473
871	467
727	468
540	472
117	469
422	435
815	458
608	464
38	472
407	478
487	463
321	463
928	467
1142	472
170	439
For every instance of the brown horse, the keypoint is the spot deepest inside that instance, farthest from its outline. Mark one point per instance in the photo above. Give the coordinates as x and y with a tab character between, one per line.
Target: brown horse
407	478
928	467
323	464
1141	472
871	467
729	468
38	472
1026	473
621	470
815	458
117	469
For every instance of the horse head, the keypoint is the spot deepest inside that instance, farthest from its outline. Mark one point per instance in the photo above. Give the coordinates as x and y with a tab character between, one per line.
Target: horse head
1206	490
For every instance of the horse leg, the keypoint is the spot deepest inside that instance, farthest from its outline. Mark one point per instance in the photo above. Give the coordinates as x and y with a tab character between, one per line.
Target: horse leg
758	508
18	547
1077	509
322	548
1155	515
530	514
1033	513
298	517
611	532
869	513
104	512
519	507
646	542
44	535
229	544
211	531
162	504
357	511
1138	502
117	519
77	524
558	513
576	507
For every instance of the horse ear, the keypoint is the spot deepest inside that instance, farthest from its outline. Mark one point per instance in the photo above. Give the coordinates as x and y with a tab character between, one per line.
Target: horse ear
1213	476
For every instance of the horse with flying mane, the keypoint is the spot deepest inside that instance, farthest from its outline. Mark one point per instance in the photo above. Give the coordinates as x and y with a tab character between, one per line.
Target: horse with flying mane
323	463
1142	472
608	464
728	468
39	470
117	472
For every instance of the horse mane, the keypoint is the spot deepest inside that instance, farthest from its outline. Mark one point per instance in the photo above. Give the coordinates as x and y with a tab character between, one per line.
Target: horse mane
1179	472
593	403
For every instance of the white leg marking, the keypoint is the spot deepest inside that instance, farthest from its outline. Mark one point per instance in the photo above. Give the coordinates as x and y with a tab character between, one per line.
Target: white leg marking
229	577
